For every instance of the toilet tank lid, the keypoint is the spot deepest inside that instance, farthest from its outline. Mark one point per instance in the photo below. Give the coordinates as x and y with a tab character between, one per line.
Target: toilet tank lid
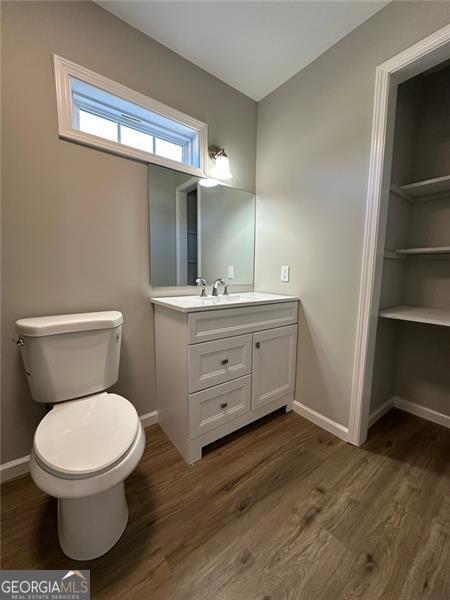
41	326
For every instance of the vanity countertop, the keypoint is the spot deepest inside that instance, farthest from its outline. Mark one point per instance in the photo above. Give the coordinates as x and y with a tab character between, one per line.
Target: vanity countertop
196	303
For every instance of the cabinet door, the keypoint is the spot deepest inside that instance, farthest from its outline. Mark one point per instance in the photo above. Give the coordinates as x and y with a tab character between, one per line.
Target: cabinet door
274	361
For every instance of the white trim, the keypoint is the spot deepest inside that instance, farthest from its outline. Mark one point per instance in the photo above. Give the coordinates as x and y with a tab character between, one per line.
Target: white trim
14	468
199	231
64	69
181	192
181	237
150	418
380	412
421	411
20	466
324	422
416	59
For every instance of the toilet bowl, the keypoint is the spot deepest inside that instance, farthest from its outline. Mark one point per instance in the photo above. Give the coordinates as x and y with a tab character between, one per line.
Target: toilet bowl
85	447
83	450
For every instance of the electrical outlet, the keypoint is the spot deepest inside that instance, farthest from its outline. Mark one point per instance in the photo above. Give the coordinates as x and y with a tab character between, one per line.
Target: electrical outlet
231	272
285	272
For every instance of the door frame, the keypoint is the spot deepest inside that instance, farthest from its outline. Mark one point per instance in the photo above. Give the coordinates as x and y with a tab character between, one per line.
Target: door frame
418	58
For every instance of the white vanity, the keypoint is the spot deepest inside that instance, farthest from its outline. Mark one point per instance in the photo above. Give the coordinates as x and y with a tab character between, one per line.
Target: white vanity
221	363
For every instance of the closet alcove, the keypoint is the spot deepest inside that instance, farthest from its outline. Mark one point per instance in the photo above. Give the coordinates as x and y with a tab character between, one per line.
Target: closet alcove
412	353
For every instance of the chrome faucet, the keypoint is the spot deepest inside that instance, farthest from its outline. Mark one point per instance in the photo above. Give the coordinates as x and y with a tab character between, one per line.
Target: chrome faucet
202	282
215	287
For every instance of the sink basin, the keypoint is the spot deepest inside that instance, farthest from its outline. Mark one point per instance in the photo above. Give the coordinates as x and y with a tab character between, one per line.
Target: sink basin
196	303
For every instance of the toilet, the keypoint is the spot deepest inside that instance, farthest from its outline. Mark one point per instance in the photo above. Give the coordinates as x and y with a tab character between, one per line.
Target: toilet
90	440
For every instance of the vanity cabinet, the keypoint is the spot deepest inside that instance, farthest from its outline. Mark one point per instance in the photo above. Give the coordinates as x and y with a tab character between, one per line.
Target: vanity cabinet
221	368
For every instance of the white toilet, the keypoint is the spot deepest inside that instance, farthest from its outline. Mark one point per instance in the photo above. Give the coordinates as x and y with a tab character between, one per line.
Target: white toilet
90	441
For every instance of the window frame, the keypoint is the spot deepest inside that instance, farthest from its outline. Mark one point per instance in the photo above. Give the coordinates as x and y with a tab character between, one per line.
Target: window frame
65	70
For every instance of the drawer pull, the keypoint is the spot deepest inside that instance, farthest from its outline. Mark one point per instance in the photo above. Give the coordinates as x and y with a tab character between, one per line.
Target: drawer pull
258	344
224	361
223	404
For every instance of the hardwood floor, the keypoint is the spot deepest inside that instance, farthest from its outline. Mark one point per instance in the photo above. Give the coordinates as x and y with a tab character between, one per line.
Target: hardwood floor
283	510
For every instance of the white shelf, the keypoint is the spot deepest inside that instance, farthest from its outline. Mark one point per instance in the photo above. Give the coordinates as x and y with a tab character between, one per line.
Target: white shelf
430	189
432	250
418	314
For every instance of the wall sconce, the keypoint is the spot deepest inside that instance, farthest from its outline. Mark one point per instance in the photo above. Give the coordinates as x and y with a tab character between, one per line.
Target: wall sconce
221	168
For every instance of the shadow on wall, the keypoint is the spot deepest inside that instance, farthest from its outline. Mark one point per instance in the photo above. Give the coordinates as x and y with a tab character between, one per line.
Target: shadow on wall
138	355
22	404
324	382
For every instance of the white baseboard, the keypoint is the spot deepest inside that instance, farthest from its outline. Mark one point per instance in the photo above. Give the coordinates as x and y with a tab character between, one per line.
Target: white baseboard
14	468
380	412
324	422
421	411
20	466
150	418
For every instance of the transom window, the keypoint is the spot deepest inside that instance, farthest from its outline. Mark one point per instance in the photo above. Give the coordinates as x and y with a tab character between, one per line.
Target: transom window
99	112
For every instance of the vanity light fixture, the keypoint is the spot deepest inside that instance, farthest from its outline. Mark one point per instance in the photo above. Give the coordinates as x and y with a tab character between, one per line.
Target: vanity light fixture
221	168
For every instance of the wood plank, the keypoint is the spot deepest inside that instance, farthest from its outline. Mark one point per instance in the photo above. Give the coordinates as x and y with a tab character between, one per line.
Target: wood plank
280	510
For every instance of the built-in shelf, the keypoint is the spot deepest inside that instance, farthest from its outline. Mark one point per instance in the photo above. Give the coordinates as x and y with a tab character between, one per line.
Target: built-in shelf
418	314
392	255
432	250
403	253
430	189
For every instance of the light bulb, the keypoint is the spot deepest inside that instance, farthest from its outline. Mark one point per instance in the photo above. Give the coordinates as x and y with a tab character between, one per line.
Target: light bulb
221	169
208	182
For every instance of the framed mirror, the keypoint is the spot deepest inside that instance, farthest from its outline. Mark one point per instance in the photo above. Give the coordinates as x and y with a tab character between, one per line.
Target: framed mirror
198	231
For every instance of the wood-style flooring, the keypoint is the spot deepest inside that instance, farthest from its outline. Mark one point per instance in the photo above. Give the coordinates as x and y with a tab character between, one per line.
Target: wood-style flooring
282	510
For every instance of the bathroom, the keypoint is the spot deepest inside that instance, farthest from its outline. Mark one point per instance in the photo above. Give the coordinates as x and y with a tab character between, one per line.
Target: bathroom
297	129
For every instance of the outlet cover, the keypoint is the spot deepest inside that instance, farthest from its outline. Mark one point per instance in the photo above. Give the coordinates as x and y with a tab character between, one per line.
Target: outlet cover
285	273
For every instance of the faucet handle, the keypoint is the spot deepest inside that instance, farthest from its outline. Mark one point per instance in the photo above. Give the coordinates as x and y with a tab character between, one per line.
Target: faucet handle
226	291
202	282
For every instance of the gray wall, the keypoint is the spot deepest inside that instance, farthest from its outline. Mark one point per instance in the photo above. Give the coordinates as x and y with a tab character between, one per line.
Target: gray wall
432	131
227	234
312	169
75	219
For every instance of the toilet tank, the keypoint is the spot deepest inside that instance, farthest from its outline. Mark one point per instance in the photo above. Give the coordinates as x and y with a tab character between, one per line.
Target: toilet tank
70	356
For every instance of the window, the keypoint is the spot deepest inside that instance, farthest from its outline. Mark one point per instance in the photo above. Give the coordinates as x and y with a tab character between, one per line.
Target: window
91	123
99	112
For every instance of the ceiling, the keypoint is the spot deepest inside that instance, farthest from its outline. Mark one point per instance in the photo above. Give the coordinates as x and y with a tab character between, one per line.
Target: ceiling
254	46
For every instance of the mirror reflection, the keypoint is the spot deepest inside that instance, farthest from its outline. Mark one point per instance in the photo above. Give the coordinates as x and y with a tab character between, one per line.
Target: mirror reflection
199	231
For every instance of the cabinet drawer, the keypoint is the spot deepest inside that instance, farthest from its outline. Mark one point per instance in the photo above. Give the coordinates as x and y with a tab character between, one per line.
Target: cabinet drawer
218	405
216	362
227	322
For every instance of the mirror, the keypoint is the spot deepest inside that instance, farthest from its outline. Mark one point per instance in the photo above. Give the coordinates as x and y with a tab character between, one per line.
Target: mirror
199	232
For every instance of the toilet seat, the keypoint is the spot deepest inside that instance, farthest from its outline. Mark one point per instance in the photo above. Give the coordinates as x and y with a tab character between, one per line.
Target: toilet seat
85	437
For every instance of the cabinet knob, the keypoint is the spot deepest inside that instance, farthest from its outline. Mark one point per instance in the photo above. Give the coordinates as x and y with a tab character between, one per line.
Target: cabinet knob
258	344
224	361
223	404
